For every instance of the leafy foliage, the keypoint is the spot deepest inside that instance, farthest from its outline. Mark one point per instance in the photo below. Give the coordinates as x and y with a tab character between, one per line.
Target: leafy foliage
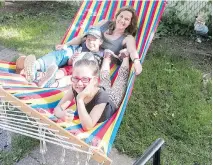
171	24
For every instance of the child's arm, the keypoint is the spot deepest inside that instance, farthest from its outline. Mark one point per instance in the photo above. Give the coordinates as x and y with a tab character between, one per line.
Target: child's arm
63	104
75	41
70	61
73	58
88	121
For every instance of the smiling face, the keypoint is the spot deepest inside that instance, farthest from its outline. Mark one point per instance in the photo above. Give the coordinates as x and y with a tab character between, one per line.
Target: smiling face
123	20
93	43
81	77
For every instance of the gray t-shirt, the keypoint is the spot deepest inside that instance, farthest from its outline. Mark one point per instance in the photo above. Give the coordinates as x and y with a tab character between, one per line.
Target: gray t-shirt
113	45
100	97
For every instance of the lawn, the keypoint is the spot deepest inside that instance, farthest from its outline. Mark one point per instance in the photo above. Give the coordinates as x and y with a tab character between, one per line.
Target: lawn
169	100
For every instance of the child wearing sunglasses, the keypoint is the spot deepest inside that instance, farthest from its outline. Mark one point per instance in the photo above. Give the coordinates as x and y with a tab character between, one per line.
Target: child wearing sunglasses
93	102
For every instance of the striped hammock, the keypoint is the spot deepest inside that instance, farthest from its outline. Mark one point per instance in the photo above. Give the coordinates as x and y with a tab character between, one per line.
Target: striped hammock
44	100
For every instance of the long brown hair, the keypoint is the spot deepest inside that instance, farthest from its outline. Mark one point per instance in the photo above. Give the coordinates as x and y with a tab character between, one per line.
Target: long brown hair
132	28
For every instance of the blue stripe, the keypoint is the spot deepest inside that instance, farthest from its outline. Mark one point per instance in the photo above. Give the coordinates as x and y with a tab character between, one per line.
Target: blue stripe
33	93
91	16
153	28
78	126
94	133
118	122
45	106
140	24
7	70
104	8
113	74
148	23
77	24
112	7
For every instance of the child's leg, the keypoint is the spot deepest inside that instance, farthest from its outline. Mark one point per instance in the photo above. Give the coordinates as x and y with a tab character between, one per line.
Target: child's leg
31	65
65	71
20	64
105	75
120	83
63	82
49	77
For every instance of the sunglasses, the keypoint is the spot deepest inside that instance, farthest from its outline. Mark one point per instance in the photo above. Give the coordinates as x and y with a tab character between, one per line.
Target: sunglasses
83	79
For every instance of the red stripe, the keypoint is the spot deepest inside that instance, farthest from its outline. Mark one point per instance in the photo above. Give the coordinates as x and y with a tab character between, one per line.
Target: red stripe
115	7
124	3
6	62
133	3
143	19
38	96
150	23
106	10
161	12
139	8
115	76
103	130
82	19
96	11
70	26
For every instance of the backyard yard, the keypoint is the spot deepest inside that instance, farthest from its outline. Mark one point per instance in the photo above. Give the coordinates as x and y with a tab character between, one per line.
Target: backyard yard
171	99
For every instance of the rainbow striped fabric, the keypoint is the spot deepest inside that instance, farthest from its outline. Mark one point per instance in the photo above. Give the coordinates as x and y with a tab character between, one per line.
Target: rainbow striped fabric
44	100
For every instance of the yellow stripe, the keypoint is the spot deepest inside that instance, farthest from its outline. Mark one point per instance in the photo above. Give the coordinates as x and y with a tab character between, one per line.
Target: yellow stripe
128	3
112	70
145	22
75	21
45	100
99	15
109	10
107	135
73	107
86	134
87	18
10	66
153	21
135	4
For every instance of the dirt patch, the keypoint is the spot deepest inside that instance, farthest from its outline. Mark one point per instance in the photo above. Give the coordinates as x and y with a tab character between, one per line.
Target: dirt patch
199	53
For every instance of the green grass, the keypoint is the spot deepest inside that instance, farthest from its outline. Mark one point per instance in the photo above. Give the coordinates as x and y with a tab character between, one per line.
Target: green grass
20	146
169	99
37	29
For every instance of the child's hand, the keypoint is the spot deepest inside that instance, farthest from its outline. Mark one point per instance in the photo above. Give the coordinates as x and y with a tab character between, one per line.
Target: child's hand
69	116
87	91
59	111
59	47
74	56
65	105
123	54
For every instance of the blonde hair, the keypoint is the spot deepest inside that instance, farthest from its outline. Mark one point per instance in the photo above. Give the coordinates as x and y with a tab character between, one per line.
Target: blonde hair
132	28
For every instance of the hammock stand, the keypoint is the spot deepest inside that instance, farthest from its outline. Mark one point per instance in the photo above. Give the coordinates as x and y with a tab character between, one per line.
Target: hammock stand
21	103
